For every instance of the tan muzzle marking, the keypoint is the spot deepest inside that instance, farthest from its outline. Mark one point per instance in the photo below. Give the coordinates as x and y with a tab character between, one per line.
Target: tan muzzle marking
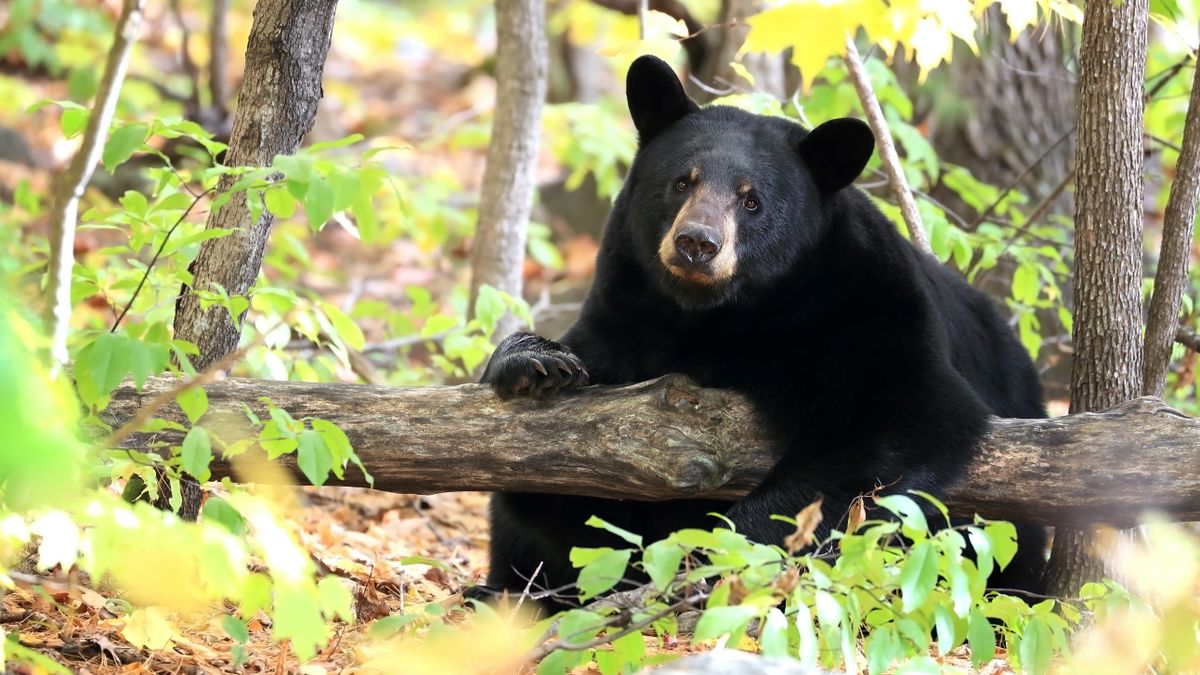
700	208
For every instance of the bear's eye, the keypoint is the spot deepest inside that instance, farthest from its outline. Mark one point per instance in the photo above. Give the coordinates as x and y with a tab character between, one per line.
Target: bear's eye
750	204
681	185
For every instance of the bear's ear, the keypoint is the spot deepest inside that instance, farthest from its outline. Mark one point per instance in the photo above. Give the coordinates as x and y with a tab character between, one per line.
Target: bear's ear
656	98
836	152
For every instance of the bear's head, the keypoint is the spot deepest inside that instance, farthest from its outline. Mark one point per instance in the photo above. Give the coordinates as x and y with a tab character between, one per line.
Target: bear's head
723	204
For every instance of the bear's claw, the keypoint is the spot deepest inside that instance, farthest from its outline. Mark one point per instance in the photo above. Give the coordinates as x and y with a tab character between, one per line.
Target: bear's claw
527	365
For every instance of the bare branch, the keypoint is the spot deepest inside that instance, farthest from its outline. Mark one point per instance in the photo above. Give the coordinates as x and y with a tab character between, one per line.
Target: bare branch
887	149
74	180
1171	277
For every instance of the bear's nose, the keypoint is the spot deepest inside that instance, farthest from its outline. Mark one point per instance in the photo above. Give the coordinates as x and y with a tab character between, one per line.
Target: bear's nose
698	245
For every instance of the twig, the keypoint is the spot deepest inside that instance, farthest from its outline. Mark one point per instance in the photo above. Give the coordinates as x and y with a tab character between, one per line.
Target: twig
74	181
1024	229
887	149
218	55
525	593
209	375
923	195
544	650
1020	177
1188	338
154	260
185	59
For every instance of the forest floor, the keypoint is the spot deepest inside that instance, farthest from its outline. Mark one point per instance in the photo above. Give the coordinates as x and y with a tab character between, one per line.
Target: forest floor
372	540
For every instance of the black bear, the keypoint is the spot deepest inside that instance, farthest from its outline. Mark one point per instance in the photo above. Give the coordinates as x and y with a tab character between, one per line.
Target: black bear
738	254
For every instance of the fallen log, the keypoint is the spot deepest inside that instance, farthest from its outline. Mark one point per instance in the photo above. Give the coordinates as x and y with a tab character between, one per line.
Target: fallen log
670	439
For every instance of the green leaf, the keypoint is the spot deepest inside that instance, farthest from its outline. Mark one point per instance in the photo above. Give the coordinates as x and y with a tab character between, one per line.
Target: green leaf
661	562
313	457
960	587
1025	287
909	512
808	635
918	574
145	359
318	202
947	633
347	330
279	202
600	523
122	143
193	402
630	648
101	365
489	307
831	612
197	453
981	638
235	628
336	599
579	625
218	510
773	638
330	145
1036	646
297	616
1003	537
559	662
983	551
882	648
718	621
545	253
390	625
364	217
602	573
73	121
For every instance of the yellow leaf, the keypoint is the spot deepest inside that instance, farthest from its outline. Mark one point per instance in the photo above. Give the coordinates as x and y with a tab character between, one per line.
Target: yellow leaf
148	628
742	72
778	28
1020	15
931	45
662	38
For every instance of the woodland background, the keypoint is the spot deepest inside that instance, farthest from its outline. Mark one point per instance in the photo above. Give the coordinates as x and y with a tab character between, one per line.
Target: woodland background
443	174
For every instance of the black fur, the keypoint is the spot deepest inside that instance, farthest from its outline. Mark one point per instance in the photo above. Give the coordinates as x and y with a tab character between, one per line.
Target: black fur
872	364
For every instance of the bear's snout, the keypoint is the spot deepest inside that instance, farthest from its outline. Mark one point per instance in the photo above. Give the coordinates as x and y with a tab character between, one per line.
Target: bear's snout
698	244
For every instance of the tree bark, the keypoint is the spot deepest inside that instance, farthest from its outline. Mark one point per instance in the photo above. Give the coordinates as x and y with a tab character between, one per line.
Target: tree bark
72	183
1107	367
285	57
522	64
670	439
1170	280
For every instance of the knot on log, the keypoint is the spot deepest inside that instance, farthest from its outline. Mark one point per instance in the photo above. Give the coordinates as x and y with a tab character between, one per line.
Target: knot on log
696	472
679	392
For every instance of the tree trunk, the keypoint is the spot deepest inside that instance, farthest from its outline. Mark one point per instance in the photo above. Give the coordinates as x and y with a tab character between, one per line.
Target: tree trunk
71	184
281	87
522	63
1171	278
1107	367
285	56
670	439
